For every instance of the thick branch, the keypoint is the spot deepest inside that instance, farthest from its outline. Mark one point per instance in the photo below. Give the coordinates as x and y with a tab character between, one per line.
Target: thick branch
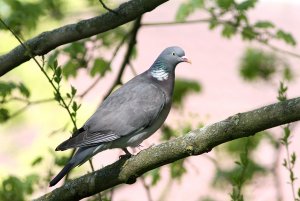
194	143
47	41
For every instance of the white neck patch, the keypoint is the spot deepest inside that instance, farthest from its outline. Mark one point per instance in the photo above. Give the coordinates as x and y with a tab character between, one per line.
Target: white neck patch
160	74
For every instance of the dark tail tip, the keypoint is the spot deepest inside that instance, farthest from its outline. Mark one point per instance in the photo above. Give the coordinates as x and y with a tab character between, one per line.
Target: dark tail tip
61	174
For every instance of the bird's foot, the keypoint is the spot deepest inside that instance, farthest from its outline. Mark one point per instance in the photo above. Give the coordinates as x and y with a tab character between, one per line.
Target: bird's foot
126	155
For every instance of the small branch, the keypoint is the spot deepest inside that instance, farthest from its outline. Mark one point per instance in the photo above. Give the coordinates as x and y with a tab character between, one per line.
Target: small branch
90	87
28	51
107	8
147	188
126	60
132	69
276	176
172	23
195	142
111	60
188	22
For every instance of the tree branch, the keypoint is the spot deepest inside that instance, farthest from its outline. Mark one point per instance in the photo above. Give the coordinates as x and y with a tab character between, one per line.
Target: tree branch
194	143
47	41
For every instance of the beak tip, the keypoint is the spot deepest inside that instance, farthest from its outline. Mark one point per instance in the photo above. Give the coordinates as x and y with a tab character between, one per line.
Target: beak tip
185	59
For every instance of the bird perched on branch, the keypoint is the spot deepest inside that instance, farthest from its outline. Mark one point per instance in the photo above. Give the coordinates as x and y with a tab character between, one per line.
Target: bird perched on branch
129	115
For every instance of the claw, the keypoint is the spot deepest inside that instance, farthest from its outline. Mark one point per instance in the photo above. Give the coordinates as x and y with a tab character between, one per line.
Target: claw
126	155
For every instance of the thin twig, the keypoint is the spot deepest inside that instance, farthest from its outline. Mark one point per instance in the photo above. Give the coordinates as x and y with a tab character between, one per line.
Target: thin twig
90	87
289	166
261	41
42	69
276	177
48	78
107	8
131	44
132	69
172	23
111	60
147	188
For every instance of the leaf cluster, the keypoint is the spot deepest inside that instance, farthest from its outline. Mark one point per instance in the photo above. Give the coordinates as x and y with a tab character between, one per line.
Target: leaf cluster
10	91
257	64
231	16
24	16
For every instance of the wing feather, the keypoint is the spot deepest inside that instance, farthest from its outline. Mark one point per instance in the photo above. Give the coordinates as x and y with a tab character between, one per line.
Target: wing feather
130	109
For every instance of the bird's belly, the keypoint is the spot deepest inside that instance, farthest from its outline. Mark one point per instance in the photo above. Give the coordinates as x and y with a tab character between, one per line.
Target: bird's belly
137	138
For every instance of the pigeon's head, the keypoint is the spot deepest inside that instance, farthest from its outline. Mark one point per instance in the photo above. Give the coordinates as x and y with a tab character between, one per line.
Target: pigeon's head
173	56
166	62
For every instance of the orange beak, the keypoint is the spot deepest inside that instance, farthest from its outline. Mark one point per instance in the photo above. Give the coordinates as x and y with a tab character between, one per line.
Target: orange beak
185	59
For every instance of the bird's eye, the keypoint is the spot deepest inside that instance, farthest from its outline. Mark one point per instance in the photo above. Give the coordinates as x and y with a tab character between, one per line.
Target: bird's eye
173	53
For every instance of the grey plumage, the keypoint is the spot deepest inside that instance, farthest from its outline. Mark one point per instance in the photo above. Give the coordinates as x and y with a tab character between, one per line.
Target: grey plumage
129	115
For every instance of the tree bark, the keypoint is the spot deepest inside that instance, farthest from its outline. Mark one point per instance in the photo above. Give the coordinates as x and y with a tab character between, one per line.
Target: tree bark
193	143
49	40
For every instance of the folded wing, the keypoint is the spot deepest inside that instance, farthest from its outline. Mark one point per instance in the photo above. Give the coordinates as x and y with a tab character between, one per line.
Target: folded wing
128	110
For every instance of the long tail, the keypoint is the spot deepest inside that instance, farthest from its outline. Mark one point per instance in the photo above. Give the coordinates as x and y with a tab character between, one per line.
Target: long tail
61	174
81	156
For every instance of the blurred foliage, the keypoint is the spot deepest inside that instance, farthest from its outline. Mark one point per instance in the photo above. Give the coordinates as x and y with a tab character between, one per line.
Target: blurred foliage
16	189
11	91
88	55
257	64
231	16
252	143
24	16
244	147
182	88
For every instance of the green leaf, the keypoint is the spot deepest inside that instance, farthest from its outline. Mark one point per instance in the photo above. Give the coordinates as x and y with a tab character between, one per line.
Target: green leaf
100	67
55	64
228	30
186	9
257	64
288	73
70	68
61	161
57	79
287	37
58	72
282	97
245	5
213	23
73	91
57	96
24	90
6	88
12	189
177	169
29	182
244	158
74	106
155	175
225	4
293	158
248	33
264	24
4	115
37	161
76	49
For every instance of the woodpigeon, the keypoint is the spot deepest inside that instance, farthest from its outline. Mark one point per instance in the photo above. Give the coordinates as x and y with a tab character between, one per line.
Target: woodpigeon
129	115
